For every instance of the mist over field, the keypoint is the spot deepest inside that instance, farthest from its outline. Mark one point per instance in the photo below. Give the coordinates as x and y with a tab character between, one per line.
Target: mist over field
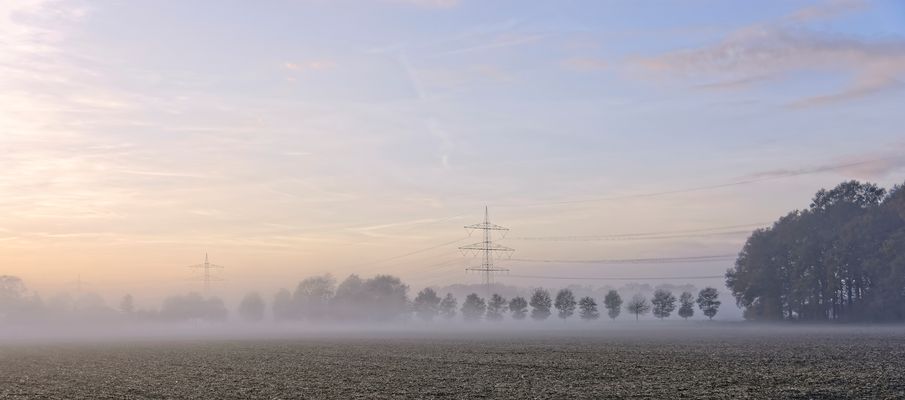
452	199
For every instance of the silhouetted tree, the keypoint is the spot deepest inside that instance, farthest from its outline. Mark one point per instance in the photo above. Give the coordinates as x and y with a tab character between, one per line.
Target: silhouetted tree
312	297
448	306
473	308
193	307
127	305
251	308
707	301
427	304
664	303
496	307
282	305
386	297
15	303
540	304
565	303
613	303
839	259
588	308
686	305
349	300
12	295
519	307
638	305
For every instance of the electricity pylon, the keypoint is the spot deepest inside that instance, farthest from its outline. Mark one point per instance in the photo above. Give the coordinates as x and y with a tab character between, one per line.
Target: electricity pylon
487	248
206	276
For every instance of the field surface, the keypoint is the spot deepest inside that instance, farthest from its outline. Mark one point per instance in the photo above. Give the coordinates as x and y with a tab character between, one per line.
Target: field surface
689	363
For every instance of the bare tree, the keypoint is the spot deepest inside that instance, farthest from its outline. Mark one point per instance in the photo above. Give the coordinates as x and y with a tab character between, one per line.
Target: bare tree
588	309
519	307
565	303
638	305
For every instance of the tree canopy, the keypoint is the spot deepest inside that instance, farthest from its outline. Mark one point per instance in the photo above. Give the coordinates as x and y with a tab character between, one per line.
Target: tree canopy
842	258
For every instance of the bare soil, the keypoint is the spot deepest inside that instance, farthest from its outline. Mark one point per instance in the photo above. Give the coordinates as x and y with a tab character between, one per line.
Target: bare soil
555	365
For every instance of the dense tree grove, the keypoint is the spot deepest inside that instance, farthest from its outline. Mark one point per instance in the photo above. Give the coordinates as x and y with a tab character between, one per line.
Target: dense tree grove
842	258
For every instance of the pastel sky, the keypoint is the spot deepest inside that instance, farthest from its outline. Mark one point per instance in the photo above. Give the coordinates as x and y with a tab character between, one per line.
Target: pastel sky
289	138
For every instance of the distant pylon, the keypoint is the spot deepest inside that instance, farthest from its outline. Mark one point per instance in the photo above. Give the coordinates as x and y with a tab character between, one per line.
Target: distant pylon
487	248
206	276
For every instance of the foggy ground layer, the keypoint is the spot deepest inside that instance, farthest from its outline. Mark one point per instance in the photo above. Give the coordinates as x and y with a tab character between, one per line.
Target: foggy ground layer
694	361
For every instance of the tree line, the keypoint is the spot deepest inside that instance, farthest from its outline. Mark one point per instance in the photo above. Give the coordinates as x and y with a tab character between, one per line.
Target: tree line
428	305
840	259
380	298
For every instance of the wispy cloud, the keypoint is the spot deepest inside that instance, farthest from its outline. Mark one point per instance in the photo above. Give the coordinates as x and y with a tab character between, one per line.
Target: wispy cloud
310	65
586	64
828	10
863	166
733	84
498	42
771	51
428	3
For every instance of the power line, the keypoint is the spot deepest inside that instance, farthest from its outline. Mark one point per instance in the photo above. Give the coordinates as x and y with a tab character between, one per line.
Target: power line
411	253
630	238
646	235
653	260
778	175
614	279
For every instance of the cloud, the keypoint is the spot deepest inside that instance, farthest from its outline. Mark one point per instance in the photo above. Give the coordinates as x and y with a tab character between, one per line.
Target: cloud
311	65
766	52
828	10
429	3
864	166
733	84
586	64
500	41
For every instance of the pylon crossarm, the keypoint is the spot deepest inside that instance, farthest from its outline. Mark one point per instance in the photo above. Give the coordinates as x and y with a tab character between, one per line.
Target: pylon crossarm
486	226
486	247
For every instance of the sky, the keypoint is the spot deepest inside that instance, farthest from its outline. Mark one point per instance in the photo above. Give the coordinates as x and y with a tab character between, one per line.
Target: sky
292	138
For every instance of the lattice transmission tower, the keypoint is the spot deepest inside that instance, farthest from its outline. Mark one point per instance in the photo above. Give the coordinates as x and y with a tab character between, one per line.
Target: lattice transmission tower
206	276
487	249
